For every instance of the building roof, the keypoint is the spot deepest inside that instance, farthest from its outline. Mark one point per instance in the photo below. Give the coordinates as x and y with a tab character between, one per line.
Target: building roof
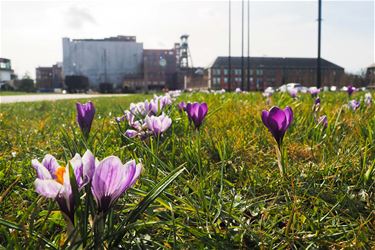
4	60
111	39
371	66
275	62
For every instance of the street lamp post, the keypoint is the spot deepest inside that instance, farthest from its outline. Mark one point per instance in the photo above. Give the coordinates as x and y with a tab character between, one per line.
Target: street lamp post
318	63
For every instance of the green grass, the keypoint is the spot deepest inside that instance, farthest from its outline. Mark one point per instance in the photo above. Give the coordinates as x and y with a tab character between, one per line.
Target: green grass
231	194
5	93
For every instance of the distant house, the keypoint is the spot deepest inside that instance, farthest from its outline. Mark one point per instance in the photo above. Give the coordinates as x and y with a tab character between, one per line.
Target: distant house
271	71
6	70
7	75
49	78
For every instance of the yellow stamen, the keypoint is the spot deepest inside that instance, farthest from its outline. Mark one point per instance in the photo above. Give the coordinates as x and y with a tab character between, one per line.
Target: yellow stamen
60	174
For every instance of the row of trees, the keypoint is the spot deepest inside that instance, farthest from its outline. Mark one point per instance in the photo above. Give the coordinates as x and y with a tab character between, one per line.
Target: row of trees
74	84
77	83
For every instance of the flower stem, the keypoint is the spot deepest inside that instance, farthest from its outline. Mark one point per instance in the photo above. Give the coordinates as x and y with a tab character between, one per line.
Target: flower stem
280	159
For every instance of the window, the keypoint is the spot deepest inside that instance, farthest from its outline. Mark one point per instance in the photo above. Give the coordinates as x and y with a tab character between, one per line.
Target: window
251	72
216	72
237	71
216	80
225	79
259	72
225	72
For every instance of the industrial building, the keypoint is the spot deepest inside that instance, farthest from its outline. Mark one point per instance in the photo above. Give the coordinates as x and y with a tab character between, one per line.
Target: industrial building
271	71
108	60
122	62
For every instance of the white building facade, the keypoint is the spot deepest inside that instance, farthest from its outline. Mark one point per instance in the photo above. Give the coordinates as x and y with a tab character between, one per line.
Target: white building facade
108	60
5	70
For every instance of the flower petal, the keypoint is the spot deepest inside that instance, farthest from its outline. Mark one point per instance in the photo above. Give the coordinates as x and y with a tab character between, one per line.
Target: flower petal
48	188
51	164
88	161
41	171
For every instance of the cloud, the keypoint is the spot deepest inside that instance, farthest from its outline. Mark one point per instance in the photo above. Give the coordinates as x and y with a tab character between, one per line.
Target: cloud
77	17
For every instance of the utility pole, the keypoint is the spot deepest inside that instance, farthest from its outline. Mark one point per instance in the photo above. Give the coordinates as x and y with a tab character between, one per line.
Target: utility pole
229	56
248	45
318	65
242	50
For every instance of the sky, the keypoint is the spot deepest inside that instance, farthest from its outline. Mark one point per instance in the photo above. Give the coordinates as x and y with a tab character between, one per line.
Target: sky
31	32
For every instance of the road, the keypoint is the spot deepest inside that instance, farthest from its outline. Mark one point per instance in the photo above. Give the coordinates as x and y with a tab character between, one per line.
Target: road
50	97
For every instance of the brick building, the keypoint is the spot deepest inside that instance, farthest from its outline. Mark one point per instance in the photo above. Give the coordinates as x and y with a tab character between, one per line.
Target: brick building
160	68
49	78
272	71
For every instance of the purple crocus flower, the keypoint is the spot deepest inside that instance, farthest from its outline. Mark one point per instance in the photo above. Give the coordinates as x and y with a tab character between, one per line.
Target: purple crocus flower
317	101
53	180
111	179
354	104
350	90
293	92
138	108
314	91
85	115
158	124
131	133
182	106
164	101
152	107
277	121
323	121
316	105
368	99
196	112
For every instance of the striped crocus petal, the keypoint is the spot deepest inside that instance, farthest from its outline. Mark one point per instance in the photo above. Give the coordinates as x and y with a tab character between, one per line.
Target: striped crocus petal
88	160
83	167
41	171
50	163
48	188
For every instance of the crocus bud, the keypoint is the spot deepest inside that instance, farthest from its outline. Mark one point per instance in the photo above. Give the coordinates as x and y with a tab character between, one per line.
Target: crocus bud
368	99
323	121
182	106
131	133
354	104
293	92
350	90
277	121
314	91
317	101
196	112
85	116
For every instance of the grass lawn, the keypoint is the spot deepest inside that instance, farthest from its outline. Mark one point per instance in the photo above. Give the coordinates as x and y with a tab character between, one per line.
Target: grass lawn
5	93
230	195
